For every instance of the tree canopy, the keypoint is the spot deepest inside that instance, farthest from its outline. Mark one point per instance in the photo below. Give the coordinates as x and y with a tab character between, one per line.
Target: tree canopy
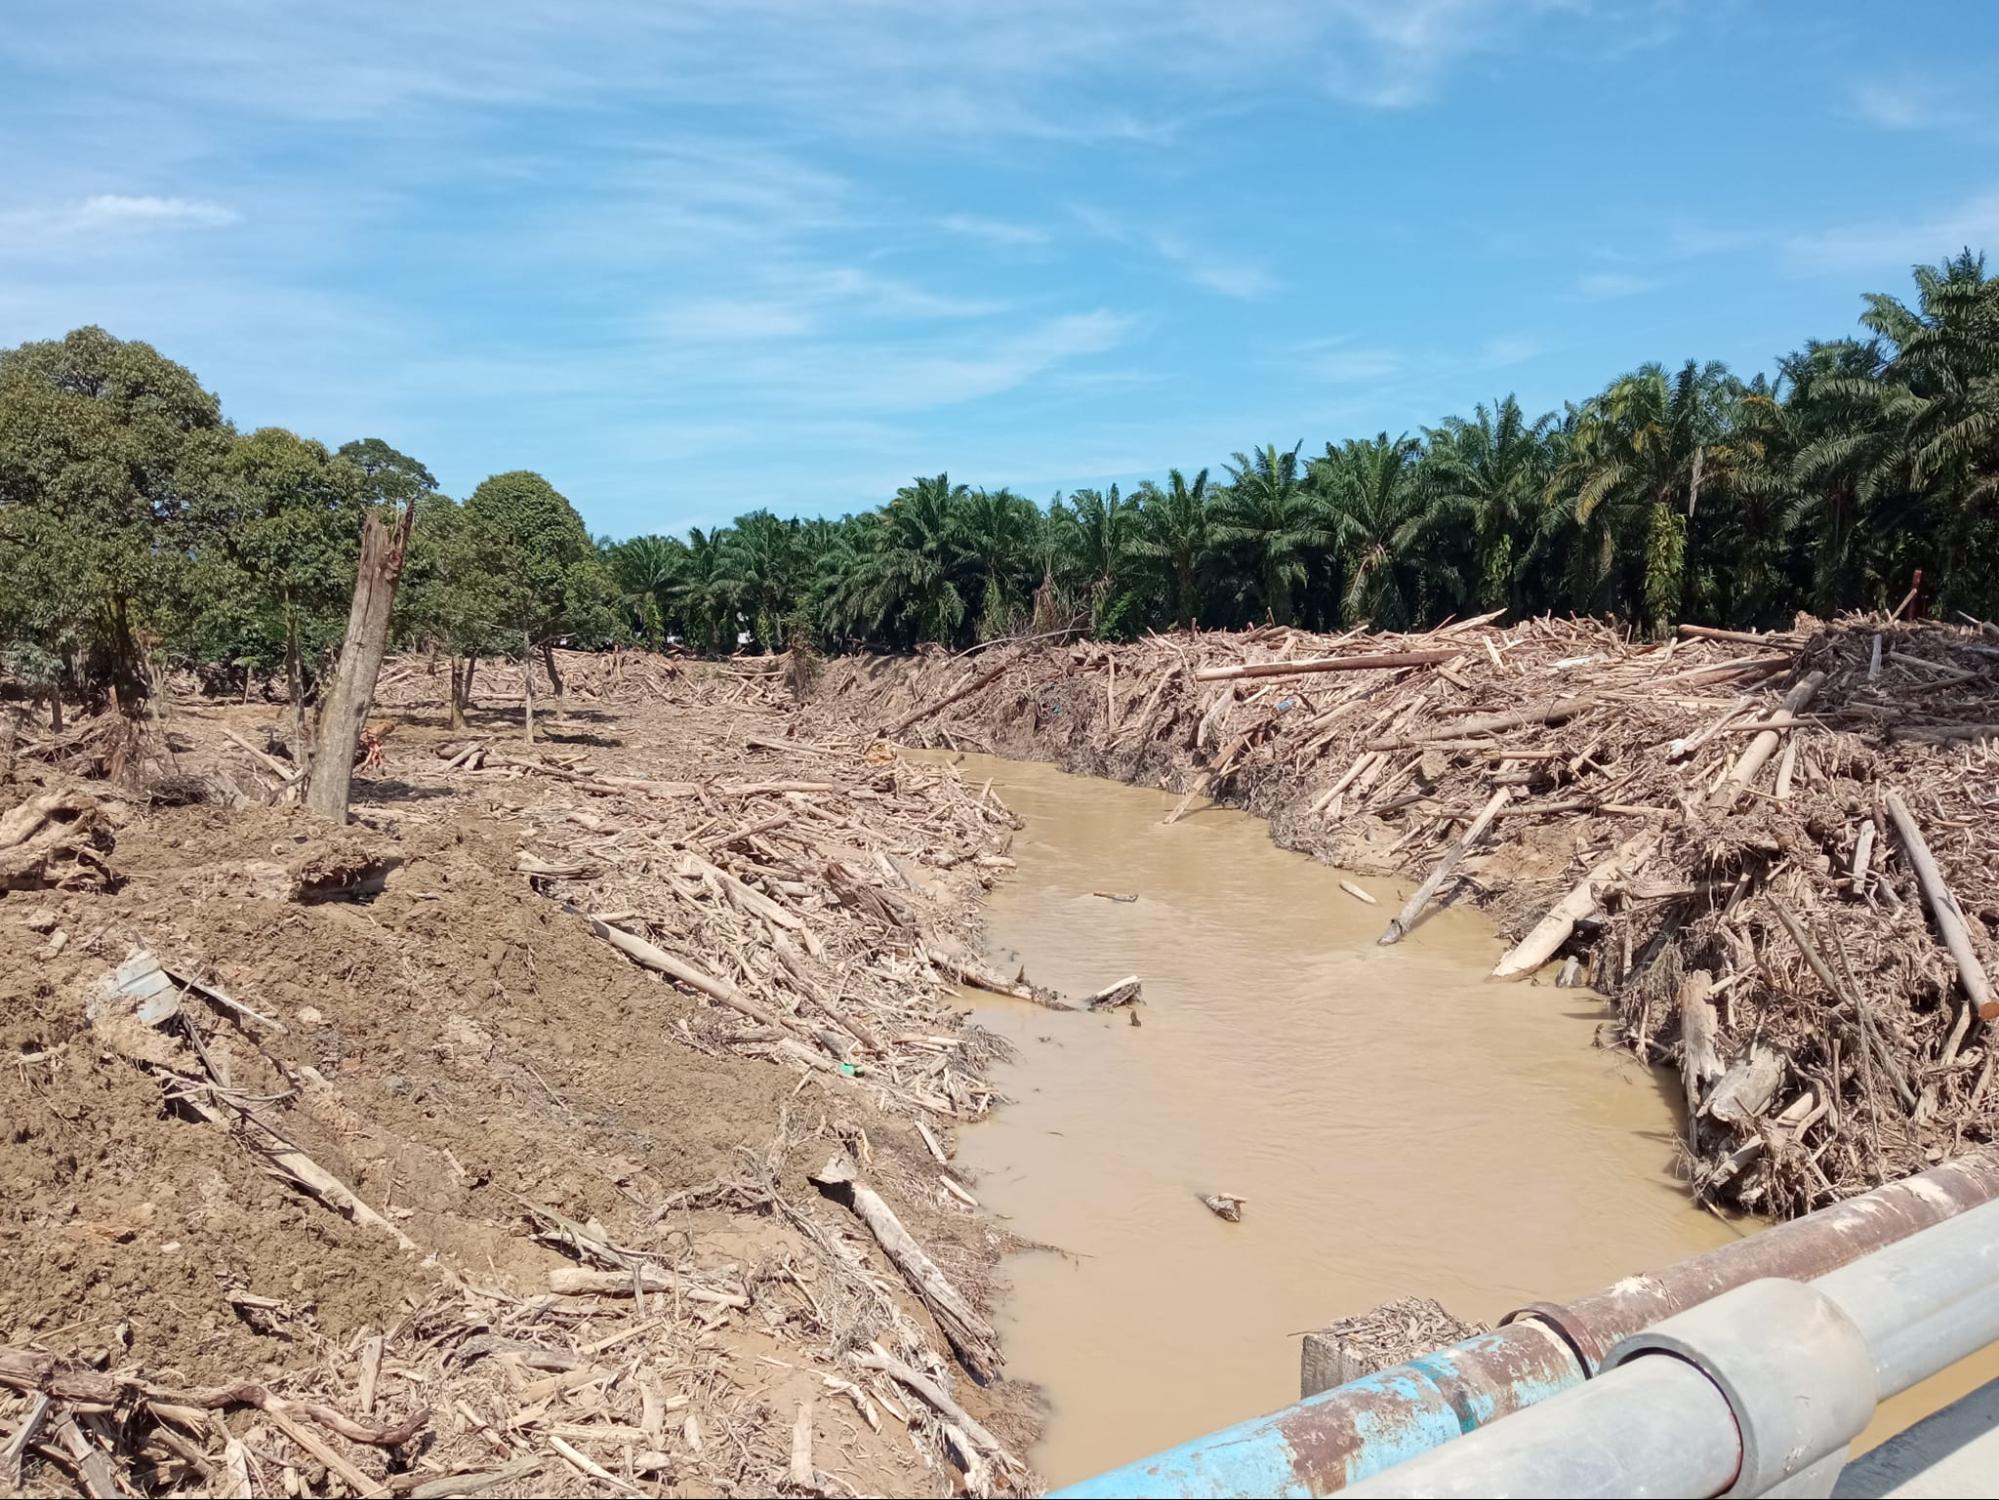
139	529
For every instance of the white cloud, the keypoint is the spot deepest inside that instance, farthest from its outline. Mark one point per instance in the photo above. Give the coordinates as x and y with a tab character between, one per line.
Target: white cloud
119	208
115	214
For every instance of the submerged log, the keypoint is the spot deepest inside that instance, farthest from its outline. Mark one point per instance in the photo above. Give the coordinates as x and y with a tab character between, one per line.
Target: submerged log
1413	908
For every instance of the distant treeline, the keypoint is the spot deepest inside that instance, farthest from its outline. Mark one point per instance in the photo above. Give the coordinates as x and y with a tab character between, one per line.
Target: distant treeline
140	530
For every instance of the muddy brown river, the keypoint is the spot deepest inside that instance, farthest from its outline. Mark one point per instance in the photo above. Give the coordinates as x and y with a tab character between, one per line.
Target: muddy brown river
1397	1124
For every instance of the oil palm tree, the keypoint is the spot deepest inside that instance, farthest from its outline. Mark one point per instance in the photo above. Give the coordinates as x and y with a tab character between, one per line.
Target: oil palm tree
646	568
1274	522
1095	534
998	536
1176	531
1637	454
905	579
702	593
1941	387
760	568
1489	473
1383	526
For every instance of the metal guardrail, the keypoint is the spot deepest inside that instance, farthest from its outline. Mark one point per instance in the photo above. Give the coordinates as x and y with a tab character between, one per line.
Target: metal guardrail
1340	1438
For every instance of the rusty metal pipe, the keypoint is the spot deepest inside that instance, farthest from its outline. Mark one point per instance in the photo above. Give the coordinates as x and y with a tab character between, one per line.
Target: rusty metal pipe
1335	1439
1801	1250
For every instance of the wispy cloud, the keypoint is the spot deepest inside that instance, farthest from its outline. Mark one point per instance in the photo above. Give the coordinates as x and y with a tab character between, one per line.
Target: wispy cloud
1507	350
1910	101
1338	360
1610	286
117	213
1883	244
995	231
1202	265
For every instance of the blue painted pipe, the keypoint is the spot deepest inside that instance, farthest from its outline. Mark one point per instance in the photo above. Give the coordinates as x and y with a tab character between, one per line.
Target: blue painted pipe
1338	1437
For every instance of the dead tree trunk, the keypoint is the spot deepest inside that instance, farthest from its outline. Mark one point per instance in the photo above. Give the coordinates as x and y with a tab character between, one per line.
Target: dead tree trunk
527	684
555	687
345	706
461	686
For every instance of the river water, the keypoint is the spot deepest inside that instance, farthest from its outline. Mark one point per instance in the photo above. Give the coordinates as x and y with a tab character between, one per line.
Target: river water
1397	1124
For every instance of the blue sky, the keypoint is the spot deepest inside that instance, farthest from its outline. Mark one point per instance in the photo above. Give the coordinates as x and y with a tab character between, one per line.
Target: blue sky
694	256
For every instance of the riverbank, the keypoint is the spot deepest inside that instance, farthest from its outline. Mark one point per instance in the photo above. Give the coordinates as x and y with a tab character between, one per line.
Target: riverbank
410	1132
1729	869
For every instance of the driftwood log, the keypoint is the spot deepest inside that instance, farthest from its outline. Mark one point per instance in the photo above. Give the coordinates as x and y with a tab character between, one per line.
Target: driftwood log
970	1334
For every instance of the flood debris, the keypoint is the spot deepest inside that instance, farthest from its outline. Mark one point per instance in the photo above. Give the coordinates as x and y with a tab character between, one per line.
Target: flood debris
1626	809
1126	991
529	1151
1391	1334
1227	1206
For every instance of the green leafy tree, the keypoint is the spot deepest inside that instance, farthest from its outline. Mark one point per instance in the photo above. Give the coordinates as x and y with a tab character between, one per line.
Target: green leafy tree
562	587
277	529
95	439
458	596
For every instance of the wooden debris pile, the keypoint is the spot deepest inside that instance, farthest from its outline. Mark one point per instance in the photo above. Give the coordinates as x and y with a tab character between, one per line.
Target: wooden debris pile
813	899
1649	813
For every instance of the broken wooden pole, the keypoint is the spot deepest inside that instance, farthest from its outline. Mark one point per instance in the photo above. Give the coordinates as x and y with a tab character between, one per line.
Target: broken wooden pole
1379	661
1553	930
352	691
1782	642
1398	928
1125	991
946	701
1943	907
1546	713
